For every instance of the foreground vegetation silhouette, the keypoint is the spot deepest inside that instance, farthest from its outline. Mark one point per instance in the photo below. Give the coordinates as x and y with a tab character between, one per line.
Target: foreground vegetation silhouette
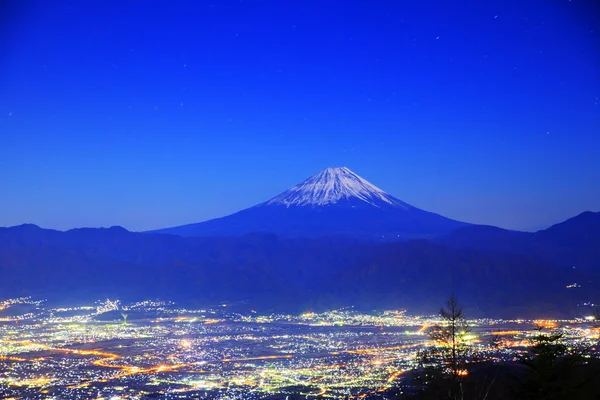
550	369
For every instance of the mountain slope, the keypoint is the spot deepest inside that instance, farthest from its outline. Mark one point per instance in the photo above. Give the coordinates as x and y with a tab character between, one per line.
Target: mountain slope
574	242
274	272
334	185
334	202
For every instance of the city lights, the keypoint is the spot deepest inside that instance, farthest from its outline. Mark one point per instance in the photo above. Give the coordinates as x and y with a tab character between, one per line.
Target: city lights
171	352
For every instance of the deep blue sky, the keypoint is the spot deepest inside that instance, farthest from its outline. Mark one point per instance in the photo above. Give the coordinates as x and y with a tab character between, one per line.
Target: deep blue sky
150	114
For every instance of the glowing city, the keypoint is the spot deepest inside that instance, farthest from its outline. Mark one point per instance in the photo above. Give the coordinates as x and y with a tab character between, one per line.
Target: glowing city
154	349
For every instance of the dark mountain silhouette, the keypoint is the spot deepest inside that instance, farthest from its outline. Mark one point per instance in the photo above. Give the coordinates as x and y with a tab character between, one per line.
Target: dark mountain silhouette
289	274
574	242
336	201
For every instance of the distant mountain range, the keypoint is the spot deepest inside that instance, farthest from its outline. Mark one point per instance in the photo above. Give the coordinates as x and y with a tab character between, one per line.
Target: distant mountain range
493	272
574	242
334	202
333	240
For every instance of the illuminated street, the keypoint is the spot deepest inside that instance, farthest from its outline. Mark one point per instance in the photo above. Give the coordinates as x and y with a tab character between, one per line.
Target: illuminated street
158	350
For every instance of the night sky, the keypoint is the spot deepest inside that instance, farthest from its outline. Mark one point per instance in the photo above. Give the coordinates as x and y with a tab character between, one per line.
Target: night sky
150	114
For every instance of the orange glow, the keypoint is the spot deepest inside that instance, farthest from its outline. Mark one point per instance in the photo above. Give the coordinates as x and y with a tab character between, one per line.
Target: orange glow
395	375
545	323
9	358
32	382
105	361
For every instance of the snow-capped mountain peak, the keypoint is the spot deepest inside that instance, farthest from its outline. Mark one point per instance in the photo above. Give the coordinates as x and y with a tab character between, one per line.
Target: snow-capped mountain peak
333	185
334	202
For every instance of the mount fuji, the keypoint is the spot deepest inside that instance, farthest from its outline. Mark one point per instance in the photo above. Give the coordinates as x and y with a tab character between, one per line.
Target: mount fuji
334	202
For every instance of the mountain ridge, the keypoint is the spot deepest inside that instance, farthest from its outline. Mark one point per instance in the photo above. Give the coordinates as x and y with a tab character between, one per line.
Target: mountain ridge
335	201
332	185
574	242
296	274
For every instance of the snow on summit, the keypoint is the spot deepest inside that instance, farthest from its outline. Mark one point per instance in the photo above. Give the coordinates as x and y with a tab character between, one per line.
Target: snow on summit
332	185
335	202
